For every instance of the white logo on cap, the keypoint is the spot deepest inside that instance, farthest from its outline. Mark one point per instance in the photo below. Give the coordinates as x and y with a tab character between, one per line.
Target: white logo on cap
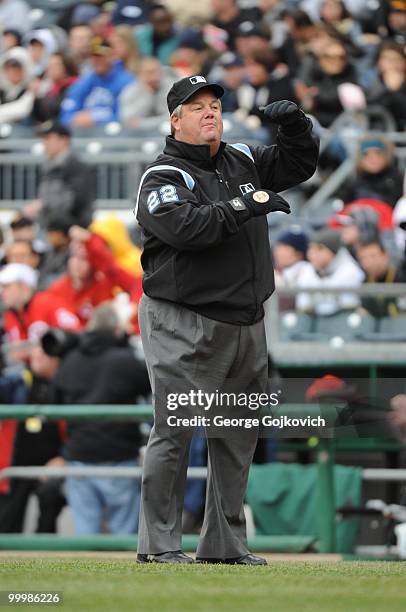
197	79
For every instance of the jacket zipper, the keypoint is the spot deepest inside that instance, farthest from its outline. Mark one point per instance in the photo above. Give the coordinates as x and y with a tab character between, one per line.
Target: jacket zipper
224	182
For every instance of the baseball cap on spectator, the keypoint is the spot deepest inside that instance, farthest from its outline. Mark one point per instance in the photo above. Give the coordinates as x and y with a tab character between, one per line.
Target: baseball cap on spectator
84	13
249	28
185	88
331	239
99	46
373	143
294	238
230	60
53	127
397	5
191	39
18	273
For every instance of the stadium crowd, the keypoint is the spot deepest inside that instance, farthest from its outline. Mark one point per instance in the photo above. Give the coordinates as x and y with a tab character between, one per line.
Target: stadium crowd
71	277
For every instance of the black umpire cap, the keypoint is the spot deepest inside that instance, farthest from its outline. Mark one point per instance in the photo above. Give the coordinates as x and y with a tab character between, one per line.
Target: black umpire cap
185	88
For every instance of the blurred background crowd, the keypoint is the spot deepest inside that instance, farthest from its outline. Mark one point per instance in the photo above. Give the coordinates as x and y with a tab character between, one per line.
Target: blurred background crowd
71	273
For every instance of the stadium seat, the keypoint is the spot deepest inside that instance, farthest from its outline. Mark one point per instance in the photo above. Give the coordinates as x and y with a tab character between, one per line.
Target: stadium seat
392	329
295	326
348	326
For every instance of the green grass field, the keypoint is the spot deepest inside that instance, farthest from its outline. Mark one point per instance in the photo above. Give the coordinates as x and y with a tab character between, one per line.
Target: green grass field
122	585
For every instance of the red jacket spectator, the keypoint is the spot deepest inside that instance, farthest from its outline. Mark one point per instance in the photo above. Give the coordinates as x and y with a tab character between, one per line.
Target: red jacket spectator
28	315
94	277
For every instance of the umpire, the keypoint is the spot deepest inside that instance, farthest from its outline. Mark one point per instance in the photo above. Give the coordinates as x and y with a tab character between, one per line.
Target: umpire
202	207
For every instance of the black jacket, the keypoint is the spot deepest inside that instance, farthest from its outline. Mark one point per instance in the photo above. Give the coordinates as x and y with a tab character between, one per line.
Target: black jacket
198	250
102	369
386	186
68	190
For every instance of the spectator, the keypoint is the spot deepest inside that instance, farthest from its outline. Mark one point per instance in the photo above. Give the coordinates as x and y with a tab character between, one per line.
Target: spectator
365	220
159	38
16	99
251	37
231	79
297	44
130	12
267	83
93	99
24	228
125	48
67	185
10	38
192	55
335	14
32	442
389	87
41	44
331	69
393	24
102	369
375	262
377	175
147	97
92	276
61	73
27	315
79	44
332	266
22	252
55	259
289	255
15	14
228	16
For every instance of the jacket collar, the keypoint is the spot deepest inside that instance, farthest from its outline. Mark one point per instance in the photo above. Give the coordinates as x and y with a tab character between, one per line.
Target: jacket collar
177	148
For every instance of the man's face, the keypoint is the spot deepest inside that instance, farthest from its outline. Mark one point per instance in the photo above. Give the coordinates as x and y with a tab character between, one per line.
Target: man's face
102	63
200	121
319	256
285	255
373	260
79	40
79	268
14	73
54	144
373	161
162	23
15	295
150	73
20	252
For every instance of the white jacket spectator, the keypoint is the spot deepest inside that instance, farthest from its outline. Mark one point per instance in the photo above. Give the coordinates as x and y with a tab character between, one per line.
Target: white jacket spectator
146	97
40	44
332	266
16	100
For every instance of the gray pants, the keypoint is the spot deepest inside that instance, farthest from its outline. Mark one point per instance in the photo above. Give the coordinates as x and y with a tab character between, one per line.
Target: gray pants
180	344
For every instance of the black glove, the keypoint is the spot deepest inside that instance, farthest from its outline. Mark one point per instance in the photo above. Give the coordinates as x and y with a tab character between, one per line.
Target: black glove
262	202
287	114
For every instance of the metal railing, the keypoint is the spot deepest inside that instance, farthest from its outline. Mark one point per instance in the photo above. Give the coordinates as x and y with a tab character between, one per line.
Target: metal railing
324	450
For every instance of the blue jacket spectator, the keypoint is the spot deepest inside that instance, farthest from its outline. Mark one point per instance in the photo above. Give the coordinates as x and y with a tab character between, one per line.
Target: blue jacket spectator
94	98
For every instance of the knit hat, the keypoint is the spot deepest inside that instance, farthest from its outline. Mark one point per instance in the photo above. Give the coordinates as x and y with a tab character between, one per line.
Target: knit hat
18	273
295	238
328	238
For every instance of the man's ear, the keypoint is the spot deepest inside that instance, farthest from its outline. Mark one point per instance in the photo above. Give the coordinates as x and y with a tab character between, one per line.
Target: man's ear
175	123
